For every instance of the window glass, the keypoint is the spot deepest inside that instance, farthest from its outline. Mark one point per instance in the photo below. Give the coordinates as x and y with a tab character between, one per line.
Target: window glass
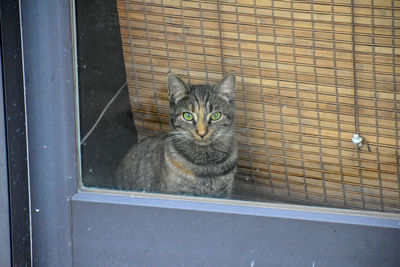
251	100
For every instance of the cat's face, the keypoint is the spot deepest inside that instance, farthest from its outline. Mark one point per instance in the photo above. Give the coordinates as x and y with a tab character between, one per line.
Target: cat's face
201	113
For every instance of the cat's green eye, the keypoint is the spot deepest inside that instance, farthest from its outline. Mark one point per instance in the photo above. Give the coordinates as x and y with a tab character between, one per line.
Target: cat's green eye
216	116
188	116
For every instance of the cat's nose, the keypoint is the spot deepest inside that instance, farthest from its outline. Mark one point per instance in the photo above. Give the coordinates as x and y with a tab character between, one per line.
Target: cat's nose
202	132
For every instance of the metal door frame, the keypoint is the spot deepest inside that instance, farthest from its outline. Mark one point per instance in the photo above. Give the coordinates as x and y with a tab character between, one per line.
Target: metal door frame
76	227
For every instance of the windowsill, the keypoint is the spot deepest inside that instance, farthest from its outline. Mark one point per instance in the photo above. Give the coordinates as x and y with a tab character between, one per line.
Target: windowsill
275	210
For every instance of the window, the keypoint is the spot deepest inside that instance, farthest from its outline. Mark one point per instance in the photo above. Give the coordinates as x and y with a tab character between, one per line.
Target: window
308	77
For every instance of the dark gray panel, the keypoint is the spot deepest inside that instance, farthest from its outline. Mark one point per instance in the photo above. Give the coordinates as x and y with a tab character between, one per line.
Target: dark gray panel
5	259
121	233
51	127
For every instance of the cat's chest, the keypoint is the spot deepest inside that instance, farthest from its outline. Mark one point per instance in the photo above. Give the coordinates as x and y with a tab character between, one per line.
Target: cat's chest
181	176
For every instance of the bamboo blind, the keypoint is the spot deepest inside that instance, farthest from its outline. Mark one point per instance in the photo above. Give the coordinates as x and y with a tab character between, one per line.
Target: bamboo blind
309	73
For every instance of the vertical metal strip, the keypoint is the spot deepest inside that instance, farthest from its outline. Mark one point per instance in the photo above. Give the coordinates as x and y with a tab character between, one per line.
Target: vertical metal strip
318	109
280	100
49	64
5	248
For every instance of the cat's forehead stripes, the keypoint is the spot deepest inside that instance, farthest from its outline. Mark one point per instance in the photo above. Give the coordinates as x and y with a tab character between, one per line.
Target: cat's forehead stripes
200	123
201	93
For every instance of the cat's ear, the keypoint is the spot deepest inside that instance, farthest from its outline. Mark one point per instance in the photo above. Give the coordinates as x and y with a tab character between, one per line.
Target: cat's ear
177	89
226	87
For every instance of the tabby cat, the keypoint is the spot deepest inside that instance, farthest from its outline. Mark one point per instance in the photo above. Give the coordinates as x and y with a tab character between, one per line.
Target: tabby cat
198	155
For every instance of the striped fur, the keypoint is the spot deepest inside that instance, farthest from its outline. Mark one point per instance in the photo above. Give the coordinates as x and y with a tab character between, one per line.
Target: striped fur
196	157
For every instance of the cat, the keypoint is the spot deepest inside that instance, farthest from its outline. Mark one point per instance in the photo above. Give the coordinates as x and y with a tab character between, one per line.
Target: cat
198	155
